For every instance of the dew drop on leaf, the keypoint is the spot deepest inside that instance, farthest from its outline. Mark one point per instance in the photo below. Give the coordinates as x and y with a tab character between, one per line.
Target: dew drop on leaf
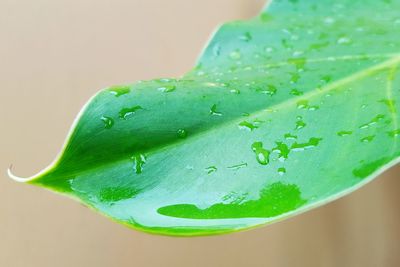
247	126
281	171
108	122
237	166
127	112
213	110
394	133
167	88
182	133
367	139
262	155
119	90
211	169
344	133
138	161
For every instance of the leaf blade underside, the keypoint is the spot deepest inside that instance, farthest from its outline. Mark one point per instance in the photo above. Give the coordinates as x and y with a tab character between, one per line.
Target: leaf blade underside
282	113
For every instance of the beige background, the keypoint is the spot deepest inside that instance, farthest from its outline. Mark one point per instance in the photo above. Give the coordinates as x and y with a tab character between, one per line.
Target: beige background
54	54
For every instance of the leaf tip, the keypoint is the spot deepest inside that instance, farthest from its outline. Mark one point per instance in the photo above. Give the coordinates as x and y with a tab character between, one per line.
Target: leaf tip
17	178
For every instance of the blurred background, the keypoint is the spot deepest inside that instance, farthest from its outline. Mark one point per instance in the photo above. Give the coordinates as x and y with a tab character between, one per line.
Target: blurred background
54	55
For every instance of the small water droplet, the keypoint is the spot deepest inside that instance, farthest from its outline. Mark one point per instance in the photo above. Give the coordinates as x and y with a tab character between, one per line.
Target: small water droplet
300	124
167	88
394	133
246	37
127	112
281	171
138	161
312	142
296	92
213	110
343	40
344	133
262	155
282	149
270	90
375	120
237	166
235	91
247	126
182	133
108	122
290	136
235	55
211	169
367	139
119	90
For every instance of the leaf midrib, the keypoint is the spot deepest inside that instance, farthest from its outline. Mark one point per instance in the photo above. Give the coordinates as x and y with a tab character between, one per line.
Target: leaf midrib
393	61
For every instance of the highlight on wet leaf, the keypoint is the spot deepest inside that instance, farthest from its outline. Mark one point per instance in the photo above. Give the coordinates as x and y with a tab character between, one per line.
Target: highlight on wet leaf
281	114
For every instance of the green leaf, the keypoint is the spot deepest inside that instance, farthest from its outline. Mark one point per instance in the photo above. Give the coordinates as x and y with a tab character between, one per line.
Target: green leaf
283	113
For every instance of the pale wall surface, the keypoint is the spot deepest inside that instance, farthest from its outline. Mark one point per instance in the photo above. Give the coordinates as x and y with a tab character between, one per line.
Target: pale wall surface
55	54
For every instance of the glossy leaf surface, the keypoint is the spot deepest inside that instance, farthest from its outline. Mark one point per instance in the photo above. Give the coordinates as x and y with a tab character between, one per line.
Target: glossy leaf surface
283	113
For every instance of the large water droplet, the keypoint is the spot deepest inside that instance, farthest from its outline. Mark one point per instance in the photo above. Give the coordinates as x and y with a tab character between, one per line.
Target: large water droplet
300	124
262	155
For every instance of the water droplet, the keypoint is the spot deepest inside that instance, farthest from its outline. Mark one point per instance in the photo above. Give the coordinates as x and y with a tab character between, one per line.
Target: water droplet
270	90
344	133
290	136
343	40
300	124
246	37
119	90
299	63
235	55
127	112
302	104
367	139
262	155
167	88
211	169
394	133
217	50
235	91
108	122
247	126
282	149
138	161
312	142
182	133
213	110
237	166
269	49
281	171
375	120
296	92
